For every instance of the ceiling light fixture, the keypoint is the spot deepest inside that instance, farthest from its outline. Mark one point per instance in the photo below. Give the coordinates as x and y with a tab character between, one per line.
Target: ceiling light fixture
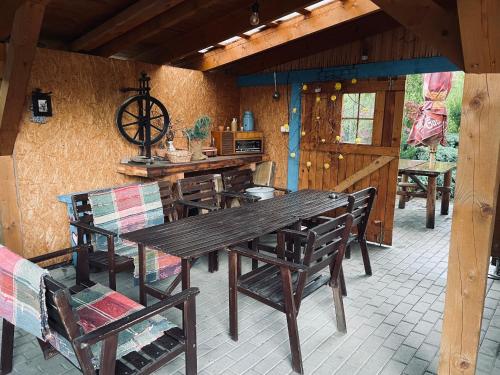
254	17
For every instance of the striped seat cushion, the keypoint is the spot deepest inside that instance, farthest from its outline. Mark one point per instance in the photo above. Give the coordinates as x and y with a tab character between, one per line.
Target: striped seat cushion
98	306
128	208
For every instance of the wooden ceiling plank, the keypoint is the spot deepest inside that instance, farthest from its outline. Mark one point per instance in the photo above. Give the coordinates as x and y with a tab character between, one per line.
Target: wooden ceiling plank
429	21
136	14
222	28
296	28
20	55
175	15
480	31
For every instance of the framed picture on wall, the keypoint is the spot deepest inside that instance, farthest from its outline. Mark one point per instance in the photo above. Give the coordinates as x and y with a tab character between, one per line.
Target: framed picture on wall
42	103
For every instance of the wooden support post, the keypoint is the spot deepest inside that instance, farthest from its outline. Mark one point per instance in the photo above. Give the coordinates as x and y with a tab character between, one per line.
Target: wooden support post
445	197
403	198
476	193
15	78
10	216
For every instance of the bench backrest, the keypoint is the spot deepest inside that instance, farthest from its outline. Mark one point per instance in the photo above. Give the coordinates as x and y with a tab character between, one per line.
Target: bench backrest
198	189
237	180
83	210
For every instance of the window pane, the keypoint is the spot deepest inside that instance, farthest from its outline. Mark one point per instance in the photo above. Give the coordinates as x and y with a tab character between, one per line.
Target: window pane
348	131
367	105
350	105
365	130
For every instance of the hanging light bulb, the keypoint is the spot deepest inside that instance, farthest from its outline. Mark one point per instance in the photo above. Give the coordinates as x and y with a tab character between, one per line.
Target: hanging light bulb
254	17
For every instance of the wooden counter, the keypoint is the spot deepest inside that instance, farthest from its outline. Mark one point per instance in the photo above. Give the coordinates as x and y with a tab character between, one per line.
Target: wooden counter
163	169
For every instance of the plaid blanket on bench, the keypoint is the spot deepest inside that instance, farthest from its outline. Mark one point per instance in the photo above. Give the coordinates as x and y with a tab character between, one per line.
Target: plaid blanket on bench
98	306
128	208
22	293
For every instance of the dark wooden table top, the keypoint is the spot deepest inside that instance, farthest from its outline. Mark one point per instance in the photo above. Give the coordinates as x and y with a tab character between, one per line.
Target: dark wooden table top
198	235
422	167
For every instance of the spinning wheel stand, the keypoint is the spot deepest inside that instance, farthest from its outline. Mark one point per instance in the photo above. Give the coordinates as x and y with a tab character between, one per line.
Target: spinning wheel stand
142	119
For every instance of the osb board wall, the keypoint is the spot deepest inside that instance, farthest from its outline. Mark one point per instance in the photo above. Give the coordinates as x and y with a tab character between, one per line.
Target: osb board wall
79	147
394	44
269	116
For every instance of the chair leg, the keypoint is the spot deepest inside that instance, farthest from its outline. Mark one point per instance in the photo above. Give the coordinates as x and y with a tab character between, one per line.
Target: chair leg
213	261
339	307
190	335
111	263
366	257
342	282
348	252
7	347
233	295
291	319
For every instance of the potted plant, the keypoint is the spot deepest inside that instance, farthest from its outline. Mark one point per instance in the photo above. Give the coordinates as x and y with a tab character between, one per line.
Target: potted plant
195	135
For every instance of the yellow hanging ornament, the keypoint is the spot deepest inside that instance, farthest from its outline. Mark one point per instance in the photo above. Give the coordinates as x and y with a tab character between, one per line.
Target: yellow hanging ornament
333	98
323	140
292	155
341	157
304	87
286	127
354	81
318	99
338	86
358	140
308	164
294	110
337	138
326	166
317	117
302	133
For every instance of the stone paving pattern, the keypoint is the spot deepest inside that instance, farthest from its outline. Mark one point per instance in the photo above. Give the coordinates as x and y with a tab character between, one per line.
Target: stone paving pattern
394	318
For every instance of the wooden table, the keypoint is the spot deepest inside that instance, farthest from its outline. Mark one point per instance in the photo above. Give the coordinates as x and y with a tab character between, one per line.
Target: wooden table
410	169
195	236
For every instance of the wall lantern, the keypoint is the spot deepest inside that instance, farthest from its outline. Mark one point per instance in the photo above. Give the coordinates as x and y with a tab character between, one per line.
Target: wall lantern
42	103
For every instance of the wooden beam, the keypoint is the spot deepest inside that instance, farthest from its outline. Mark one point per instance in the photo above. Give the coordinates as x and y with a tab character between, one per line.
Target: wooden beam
298	27
427	20
362	173
349	32
138	13
222	28
154	26
3	56
17	68
476	193
10	218
480	31
7	11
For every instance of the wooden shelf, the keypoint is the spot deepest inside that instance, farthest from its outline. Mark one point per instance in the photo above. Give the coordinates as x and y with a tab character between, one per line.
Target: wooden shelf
162	168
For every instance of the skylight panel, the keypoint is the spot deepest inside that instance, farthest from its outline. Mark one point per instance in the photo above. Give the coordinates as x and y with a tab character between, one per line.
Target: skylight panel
204	50
253	31
230	40
318	4
287	17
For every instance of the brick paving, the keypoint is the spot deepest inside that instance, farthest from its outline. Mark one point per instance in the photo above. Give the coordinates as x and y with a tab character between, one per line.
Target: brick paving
394	317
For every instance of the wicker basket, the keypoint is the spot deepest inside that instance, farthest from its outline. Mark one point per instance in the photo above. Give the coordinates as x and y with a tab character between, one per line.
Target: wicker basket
179	156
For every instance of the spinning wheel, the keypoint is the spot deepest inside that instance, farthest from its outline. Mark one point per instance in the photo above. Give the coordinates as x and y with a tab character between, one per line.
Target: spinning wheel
142	119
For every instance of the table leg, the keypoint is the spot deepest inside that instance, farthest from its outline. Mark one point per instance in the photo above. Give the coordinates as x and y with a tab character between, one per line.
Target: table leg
143	299
445	198
431	201
402	198
186	271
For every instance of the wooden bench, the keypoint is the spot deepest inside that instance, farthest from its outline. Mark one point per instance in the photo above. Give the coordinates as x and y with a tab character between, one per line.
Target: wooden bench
64	322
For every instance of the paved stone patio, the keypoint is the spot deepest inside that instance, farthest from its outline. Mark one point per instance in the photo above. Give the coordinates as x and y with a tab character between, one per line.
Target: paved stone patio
394	317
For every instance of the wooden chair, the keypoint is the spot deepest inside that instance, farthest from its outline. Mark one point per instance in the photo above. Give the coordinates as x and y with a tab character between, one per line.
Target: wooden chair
110	259
283	284
71	334
199	193
236	182
360	206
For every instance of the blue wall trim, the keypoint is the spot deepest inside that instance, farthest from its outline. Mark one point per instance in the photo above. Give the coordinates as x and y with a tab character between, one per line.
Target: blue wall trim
294	136
359	71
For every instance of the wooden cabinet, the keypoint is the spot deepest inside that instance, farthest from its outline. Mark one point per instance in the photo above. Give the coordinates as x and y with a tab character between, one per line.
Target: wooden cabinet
238	143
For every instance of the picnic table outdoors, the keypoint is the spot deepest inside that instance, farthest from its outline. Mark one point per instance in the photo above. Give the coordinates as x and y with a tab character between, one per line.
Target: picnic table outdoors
410	169
196	236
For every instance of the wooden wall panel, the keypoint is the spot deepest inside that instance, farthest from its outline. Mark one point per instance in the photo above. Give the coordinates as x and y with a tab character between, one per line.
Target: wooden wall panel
269	116
10	228
79	148
394	44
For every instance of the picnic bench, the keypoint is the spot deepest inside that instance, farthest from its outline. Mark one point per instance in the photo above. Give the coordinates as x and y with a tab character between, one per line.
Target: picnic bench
410	170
